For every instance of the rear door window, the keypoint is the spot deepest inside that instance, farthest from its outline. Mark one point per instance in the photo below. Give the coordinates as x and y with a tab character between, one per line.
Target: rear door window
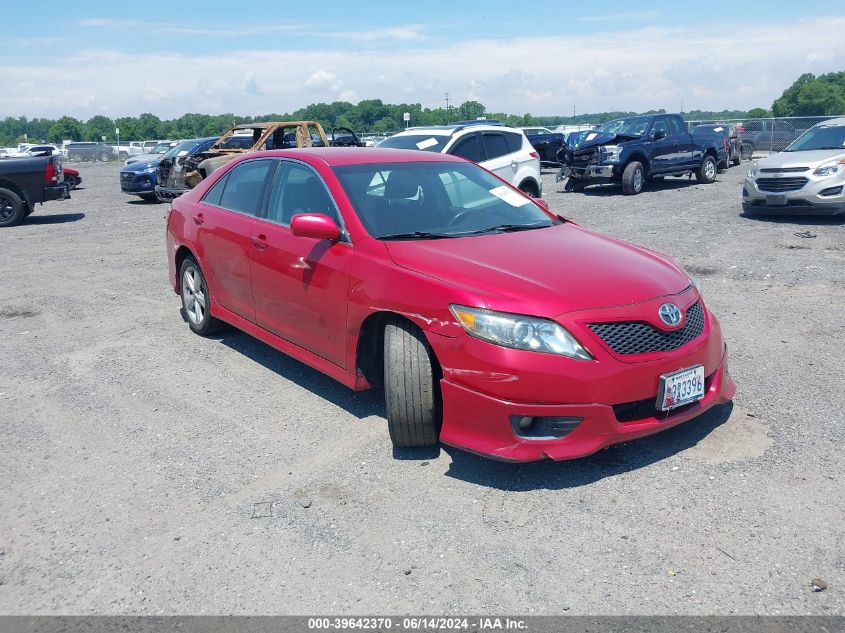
243	187
495	145
513	140
468	148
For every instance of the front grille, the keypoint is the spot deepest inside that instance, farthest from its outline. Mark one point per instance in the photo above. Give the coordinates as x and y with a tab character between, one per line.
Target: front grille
636	337
643	409
127	178
780	184
784	170
583	158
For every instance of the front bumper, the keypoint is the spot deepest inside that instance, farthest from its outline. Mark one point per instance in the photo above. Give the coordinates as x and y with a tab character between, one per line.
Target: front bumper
167	194
481	424
595	173
141	183
805	201
484	387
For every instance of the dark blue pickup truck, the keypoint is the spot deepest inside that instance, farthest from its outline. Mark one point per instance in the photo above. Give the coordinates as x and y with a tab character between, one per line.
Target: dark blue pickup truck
546	143
634	150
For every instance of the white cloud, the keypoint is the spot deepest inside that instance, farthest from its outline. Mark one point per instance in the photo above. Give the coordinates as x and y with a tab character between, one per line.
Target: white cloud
597	72
321	78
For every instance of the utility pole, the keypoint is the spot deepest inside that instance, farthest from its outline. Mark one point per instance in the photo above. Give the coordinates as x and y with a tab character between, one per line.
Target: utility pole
447	101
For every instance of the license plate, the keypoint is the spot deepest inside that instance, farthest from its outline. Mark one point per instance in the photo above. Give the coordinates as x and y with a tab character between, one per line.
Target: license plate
680	388
775	201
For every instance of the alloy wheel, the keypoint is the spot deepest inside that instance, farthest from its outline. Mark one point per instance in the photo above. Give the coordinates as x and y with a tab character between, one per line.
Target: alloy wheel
194	295
710	170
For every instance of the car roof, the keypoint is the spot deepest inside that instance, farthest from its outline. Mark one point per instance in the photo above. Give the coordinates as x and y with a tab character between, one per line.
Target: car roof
338	156
454	129
268	124
837	121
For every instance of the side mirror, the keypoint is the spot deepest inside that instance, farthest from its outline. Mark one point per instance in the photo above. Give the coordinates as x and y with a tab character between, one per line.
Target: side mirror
658	134
315	225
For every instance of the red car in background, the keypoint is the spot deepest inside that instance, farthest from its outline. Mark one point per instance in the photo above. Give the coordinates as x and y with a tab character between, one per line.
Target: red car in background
492	324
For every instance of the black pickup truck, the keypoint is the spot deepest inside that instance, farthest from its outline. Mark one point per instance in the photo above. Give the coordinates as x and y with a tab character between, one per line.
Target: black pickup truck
25	182
636	149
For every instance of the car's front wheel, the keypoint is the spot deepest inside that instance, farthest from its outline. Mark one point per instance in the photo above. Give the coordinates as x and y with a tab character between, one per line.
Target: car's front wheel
706	172
410	387
196	299
633	178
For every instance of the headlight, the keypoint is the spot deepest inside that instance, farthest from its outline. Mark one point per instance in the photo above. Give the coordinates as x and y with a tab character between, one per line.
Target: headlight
151	170
694	281
829	169
752	172
519	332
610	153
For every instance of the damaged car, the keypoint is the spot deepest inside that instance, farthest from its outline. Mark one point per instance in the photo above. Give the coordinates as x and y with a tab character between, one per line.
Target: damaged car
177	175
634	150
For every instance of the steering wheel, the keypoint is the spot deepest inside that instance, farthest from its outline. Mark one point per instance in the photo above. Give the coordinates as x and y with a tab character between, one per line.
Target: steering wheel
459	216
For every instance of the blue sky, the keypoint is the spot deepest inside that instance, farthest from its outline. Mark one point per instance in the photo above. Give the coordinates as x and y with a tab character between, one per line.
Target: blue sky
545	58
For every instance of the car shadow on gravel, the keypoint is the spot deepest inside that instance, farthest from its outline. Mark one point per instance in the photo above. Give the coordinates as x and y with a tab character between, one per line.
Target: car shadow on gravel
143	203
810	220
615	460
56	218
361	404
615	189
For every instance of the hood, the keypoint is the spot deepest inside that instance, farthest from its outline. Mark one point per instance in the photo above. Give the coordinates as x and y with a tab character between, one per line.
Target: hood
544	272
592	139
151	162
143	158
809	158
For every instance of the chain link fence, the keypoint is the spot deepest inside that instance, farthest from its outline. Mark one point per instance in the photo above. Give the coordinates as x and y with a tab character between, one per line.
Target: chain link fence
766	136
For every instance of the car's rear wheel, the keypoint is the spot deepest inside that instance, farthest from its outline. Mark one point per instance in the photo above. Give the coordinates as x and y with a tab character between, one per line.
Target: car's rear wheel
706	172
410	387
12	208
529	189
633	178
746	150
105	157
196	299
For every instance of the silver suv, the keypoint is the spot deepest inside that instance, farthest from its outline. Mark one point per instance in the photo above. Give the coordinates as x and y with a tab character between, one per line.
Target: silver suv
807	178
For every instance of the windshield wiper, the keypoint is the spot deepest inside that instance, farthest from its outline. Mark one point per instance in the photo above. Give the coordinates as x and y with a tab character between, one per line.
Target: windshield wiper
416	235
508	228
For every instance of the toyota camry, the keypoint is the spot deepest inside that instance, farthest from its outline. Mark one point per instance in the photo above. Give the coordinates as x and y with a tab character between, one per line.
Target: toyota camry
491	323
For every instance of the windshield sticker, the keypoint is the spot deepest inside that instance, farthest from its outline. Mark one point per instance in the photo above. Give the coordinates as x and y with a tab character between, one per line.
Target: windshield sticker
590	136
718	129
427	143
510	196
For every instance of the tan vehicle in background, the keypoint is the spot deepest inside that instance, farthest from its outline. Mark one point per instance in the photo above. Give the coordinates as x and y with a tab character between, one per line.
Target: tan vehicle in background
180	174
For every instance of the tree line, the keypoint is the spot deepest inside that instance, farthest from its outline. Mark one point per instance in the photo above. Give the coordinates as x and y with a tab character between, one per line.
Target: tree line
807	96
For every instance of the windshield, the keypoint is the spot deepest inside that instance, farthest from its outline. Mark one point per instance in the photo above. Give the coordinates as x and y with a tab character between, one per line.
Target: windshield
161	148
435	200
427	142
820	137
634	126
180	150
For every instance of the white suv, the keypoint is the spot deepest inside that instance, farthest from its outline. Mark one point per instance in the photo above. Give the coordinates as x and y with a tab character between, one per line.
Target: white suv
502	150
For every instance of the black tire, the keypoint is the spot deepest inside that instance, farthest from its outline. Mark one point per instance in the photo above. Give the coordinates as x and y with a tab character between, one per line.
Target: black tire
105	157
410	387
706	172
149	197
77	158
207	324
12	208
633	178
123	156
573	186
529	188
746	151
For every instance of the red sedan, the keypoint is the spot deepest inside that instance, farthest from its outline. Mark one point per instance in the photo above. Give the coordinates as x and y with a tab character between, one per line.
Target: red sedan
492	324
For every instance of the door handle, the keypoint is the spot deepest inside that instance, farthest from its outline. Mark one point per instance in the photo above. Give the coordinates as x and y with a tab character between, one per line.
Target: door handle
260	242
199	218
513	165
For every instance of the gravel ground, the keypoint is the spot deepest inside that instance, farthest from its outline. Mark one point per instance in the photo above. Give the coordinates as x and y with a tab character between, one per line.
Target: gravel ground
146	470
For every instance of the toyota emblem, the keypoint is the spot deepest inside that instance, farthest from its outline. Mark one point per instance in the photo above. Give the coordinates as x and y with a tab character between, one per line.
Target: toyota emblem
670	314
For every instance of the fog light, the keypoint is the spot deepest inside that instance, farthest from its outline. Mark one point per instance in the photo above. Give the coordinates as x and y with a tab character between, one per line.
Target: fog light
831	191
543	427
